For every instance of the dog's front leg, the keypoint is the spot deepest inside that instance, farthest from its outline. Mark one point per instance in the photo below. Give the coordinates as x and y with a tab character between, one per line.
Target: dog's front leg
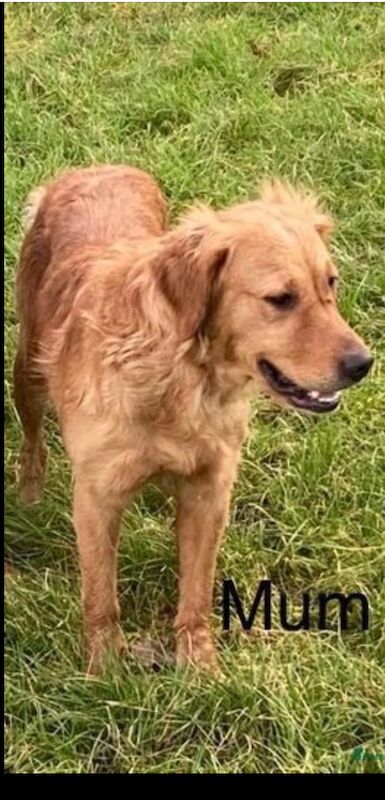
97	522
203	504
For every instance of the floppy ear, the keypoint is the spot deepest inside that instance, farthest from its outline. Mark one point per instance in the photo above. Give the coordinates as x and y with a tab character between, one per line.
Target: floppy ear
188	268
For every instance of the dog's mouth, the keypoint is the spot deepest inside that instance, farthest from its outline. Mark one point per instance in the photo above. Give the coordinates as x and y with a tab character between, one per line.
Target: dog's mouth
297	396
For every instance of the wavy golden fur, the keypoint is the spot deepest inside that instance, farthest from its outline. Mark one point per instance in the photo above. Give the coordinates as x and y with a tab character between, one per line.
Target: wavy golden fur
149	341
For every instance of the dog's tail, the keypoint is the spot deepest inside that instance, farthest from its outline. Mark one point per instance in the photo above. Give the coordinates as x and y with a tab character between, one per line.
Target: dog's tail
34	257
31	207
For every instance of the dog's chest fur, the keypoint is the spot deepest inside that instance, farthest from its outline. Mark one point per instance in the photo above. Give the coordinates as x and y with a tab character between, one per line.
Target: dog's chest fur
194	435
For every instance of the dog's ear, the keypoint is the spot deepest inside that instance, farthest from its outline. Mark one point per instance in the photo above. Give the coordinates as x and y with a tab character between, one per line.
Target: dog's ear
188	268
324	225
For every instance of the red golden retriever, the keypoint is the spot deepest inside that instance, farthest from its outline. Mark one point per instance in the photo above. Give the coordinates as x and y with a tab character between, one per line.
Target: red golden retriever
149	343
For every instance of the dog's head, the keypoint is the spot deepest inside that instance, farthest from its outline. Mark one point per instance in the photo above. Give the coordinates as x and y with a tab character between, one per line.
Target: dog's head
259	281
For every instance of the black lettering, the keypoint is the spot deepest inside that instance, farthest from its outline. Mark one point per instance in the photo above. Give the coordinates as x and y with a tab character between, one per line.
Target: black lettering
230	593
344	602
304	622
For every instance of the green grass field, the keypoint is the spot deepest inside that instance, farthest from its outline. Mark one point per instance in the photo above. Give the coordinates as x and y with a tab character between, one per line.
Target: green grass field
209	97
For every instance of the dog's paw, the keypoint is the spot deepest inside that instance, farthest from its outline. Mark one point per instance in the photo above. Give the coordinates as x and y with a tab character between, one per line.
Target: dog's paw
102	646
195	647
31	470
30	490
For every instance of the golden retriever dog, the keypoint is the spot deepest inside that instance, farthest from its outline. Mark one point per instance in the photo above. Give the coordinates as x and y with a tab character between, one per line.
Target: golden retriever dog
149	343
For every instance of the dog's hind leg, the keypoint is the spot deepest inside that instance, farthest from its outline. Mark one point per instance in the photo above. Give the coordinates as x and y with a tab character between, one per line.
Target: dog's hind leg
30	398
30	391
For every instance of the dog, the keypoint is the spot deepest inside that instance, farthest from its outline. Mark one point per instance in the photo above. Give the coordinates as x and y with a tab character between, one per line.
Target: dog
150	341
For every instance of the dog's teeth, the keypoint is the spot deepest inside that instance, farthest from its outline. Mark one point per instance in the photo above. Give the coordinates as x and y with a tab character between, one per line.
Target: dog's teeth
324	398
329	398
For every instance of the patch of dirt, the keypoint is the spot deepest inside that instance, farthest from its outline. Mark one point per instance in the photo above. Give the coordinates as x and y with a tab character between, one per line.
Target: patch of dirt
291	79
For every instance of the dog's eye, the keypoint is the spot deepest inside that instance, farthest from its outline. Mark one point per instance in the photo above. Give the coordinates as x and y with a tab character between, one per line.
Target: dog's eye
283	301
333	282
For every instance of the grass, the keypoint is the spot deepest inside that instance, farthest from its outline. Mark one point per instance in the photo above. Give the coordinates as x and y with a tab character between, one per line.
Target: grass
210	97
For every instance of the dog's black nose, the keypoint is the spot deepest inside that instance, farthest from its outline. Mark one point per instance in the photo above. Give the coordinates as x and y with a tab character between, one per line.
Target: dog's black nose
355	365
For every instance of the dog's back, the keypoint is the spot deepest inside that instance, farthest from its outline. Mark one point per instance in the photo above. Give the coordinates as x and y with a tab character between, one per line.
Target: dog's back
95	205
65	220
91	206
